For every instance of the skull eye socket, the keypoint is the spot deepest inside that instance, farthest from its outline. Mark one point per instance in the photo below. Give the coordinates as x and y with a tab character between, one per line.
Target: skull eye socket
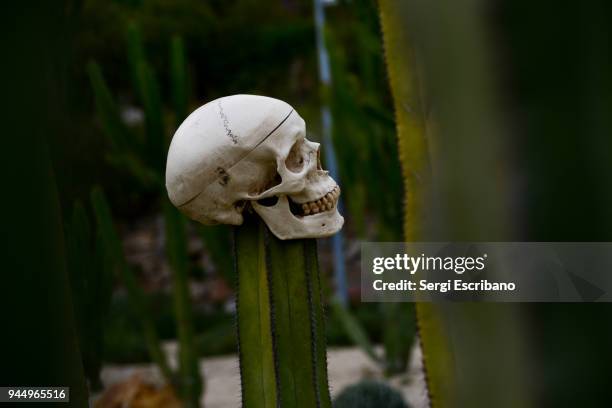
297	158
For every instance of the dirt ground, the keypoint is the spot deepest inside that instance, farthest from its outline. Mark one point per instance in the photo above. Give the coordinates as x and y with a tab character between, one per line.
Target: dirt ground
346	366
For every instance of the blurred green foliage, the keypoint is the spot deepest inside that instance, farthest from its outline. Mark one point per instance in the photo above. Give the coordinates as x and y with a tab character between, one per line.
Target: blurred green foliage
364	130
364	134
114	260
143	155
190	380
215	329
91	286
354	330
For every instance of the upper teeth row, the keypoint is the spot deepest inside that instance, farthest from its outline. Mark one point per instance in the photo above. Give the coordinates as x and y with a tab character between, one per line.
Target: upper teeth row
326	203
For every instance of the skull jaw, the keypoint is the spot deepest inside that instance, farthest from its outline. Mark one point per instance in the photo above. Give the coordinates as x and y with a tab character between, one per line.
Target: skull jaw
284	225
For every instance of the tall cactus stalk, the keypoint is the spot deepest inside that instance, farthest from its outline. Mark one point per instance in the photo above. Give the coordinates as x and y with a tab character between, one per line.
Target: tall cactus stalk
465	346
190	379
410	117
280	319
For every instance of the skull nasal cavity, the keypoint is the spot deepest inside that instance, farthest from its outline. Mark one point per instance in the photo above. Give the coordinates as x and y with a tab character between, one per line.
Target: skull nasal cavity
296	159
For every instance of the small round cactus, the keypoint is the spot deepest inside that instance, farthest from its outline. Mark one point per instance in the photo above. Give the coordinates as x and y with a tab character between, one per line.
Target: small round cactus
370	394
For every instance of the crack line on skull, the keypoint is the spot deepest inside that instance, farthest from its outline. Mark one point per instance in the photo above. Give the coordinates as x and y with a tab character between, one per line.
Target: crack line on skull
240	159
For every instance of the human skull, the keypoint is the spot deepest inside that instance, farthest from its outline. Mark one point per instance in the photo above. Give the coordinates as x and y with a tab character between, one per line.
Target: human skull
243	150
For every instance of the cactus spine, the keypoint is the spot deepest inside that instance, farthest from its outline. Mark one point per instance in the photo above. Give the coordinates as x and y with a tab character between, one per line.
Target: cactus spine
280	319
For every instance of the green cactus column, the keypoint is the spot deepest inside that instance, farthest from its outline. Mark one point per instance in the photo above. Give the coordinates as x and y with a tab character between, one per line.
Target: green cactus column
280	320
450	142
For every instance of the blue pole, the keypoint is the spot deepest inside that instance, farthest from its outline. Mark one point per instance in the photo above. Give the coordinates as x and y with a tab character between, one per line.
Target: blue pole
337	241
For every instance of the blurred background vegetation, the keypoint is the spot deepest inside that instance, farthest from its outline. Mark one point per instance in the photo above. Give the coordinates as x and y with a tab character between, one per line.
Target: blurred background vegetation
515	97
118	111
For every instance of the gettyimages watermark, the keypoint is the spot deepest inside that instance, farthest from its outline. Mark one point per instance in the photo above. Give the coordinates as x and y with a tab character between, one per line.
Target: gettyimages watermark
486	272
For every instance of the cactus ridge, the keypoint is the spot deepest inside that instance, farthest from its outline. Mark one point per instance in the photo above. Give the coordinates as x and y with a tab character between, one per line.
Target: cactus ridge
237	314
313	331
317	323
272	315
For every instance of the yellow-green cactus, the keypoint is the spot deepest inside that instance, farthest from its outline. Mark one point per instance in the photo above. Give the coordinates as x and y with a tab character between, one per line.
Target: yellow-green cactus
473	353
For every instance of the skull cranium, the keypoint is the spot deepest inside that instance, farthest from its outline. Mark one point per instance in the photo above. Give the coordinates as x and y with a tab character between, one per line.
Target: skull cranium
245	150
